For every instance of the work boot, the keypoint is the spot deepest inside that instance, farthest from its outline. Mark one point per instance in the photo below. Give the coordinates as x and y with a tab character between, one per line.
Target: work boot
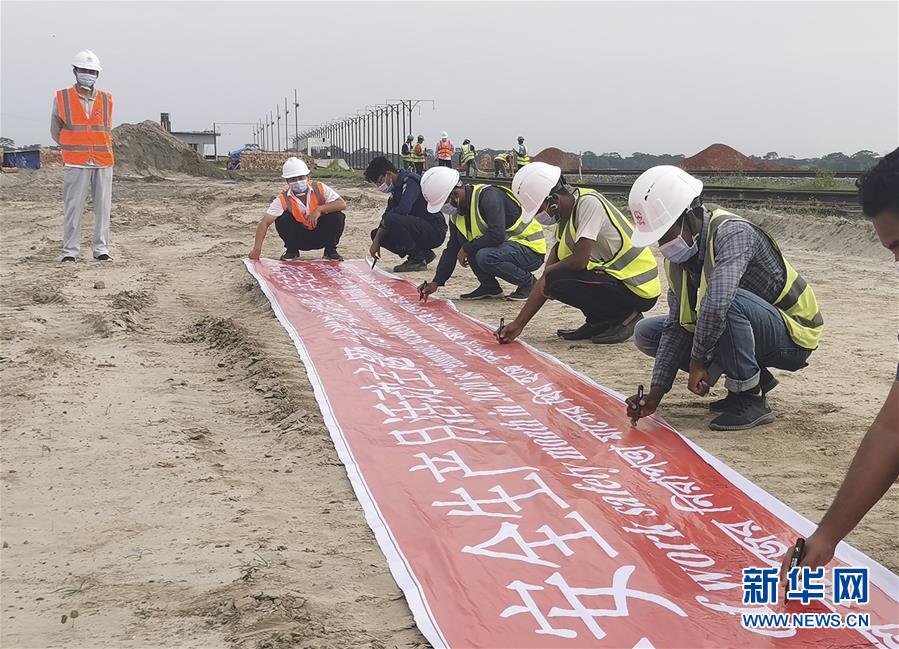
290	255
410	266
767	382
617	334
523	291
482	292
586	330
744	411
332	255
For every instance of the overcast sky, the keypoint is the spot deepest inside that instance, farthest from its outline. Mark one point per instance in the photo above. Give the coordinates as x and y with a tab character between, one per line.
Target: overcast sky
801	78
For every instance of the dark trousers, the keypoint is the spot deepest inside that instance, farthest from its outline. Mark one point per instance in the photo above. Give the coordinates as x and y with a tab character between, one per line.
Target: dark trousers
471	169
602	298
411	235
325	235
419	168
499	169
444	163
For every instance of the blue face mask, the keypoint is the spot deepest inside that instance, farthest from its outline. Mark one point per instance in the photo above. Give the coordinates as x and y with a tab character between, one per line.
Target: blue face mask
85	79
678	251
449	210
384	188
299	186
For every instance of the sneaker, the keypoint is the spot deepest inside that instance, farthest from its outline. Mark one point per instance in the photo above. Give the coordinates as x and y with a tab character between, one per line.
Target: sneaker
767	382
482	293
103	257
332	255
523	291
290	255
745	411
617	334
66	259
586	330
410	266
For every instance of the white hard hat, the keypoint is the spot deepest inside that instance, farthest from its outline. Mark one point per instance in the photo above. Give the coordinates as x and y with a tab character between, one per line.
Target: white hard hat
532	184
443	135
657	199
436	185
294	167
87	60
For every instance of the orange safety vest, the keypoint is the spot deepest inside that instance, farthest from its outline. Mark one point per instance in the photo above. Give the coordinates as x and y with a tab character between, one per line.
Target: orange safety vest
85	138
315	198
444	150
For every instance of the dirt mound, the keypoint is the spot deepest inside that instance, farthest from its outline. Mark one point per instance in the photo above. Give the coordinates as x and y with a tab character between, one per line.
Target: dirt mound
148	149
719	157
557	157
271	160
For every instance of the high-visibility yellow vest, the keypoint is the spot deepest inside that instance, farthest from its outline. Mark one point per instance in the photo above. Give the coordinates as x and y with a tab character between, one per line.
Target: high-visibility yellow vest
636	267
530	235
419	152
465	154
410	155
796	300
522	160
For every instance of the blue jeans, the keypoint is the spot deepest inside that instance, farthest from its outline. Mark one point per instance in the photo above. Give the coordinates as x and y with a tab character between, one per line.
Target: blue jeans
510	261
755	337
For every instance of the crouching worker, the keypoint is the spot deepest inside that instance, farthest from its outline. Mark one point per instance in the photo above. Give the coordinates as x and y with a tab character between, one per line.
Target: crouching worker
406	229
735	305
594	265
308	215
487	234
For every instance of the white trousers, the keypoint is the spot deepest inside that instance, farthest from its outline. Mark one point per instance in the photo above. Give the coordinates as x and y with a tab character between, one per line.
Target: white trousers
76	182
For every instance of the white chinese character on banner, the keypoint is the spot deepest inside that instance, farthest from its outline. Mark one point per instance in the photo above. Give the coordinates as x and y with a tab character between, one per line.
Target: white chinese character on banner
455	463
548	395
509	532
511	502
379	375
385	391
618	591
405	411
420	436
370	355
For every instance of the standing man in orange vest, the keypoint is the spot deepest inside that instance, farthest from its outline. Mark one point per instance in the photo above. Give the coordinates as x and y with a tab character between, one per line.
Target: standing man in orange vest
307	214
444	151
80	122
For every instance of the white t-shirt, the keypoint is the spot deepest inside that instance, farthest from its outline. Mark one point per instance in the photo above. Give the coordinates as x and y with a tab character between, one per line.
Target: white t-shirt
594	224
275	208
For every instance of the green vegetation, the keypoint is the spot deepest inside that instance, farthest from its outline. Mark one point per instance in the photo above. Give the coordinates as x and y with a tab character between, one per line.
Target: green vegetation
823	180
335	171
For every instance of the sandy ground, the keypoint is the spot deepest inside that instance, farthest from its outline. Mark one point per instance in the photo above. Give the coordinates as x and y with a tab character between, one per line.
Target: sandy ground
166	471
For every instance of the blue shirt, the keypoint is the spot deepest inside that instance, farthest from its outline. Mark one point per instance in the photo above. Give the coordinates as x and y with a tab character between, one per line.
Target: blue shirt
406	198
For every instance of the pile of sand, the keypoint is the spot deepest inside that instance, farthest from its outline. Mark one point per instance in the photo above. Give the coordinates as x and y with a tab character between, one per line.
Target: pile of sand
270	160
720	157
557	157
148	149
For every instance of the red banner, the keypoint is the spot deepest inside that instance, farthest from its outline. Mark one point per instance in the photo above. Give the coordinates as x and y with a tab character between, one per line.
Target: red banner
514	501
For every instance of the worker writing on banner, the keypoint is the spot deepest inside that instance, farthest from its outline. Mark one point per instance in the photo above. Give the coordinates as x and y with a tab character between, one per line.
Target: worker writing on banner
521	153
420	155
467	162
487	234
443	151
735	304
407	228
307	214
875	466
80	122
594	266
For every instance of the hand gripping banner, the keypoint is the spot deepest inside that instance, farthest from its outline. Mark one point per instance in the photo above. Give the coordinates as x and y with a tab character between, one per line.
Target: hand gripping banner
516	504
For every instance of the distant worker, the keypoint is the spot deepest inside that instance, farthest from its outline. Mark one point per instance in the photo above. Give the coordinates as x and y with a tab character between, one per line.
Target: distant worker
467	161
521	153
80	121
307	214
735	304
407	228
444	151
420	155
875	467
502	165
407	155
594	266
487	234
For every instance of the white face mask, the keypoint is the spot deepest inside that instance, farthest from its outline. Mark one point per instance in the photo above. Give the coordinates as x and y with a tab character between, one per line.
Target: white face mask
449	210
545	218
678	251
384	188
298	186
86	80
